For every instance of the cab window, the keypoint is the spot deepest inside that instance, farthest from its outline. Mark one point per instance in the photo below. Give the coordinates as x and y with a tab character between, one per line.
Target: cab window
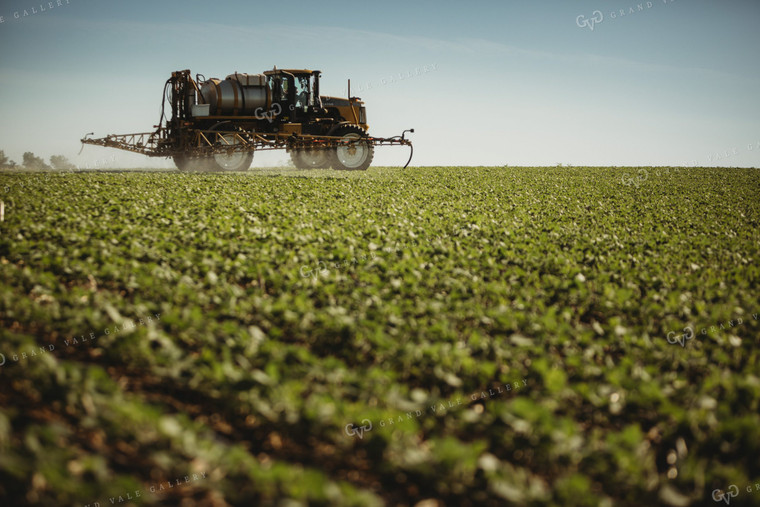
302	91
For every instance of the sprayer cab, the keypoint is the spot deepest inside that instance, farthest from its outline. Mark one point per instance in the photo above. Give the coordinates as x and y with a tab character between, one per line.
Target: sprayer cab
298	91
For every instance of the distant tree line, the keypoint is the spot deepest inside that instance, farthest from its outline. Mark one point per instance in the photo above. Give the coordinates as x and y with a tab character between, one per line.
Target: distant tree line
34	163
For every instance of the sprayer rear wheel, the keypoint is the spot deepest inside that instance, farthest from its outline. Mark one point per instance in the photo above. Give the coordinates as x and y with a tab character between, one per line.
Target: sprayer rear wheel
229	161
234	160
182	162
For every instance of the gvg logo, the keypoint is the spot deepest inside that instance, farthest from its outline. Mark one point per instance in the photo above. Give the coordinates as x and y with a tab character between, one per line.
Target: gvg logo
635	180
583	22
351	430
681	339
733	492
270	115
719	494
643	175
689	334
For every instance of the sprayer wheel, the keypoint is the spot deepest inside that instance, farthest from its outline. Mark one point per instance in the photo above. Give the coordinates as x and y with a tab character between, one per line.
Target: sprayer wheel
355	156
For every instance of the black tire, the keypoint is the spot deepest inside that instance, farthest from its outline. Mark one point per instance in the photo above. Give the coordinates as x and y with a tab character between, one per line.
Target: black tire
236	161
355	156
304	158
182	162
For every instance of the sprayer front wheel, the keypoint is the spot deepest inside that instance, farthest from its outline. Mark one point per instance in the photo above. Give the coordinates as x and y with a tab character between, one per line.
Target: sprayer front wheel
354	155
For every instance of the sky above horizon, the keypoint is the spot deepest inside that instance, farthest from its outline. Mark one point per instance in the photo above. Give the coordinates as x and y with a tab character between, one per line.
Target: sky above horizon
597	82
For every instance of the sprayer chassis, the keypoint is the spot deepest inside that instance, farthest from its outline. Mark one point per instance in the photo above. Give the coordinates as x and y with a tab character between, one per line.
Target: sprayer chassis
205	143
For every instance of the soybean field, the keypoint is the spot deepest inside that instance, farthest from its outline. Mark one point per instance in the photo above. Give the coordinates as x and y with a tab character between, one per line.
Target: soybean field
434	336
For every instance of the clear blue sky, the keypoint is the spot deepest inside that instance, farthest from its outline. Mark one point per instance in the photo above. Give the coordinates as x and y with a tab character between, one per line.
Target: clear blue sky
500	82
